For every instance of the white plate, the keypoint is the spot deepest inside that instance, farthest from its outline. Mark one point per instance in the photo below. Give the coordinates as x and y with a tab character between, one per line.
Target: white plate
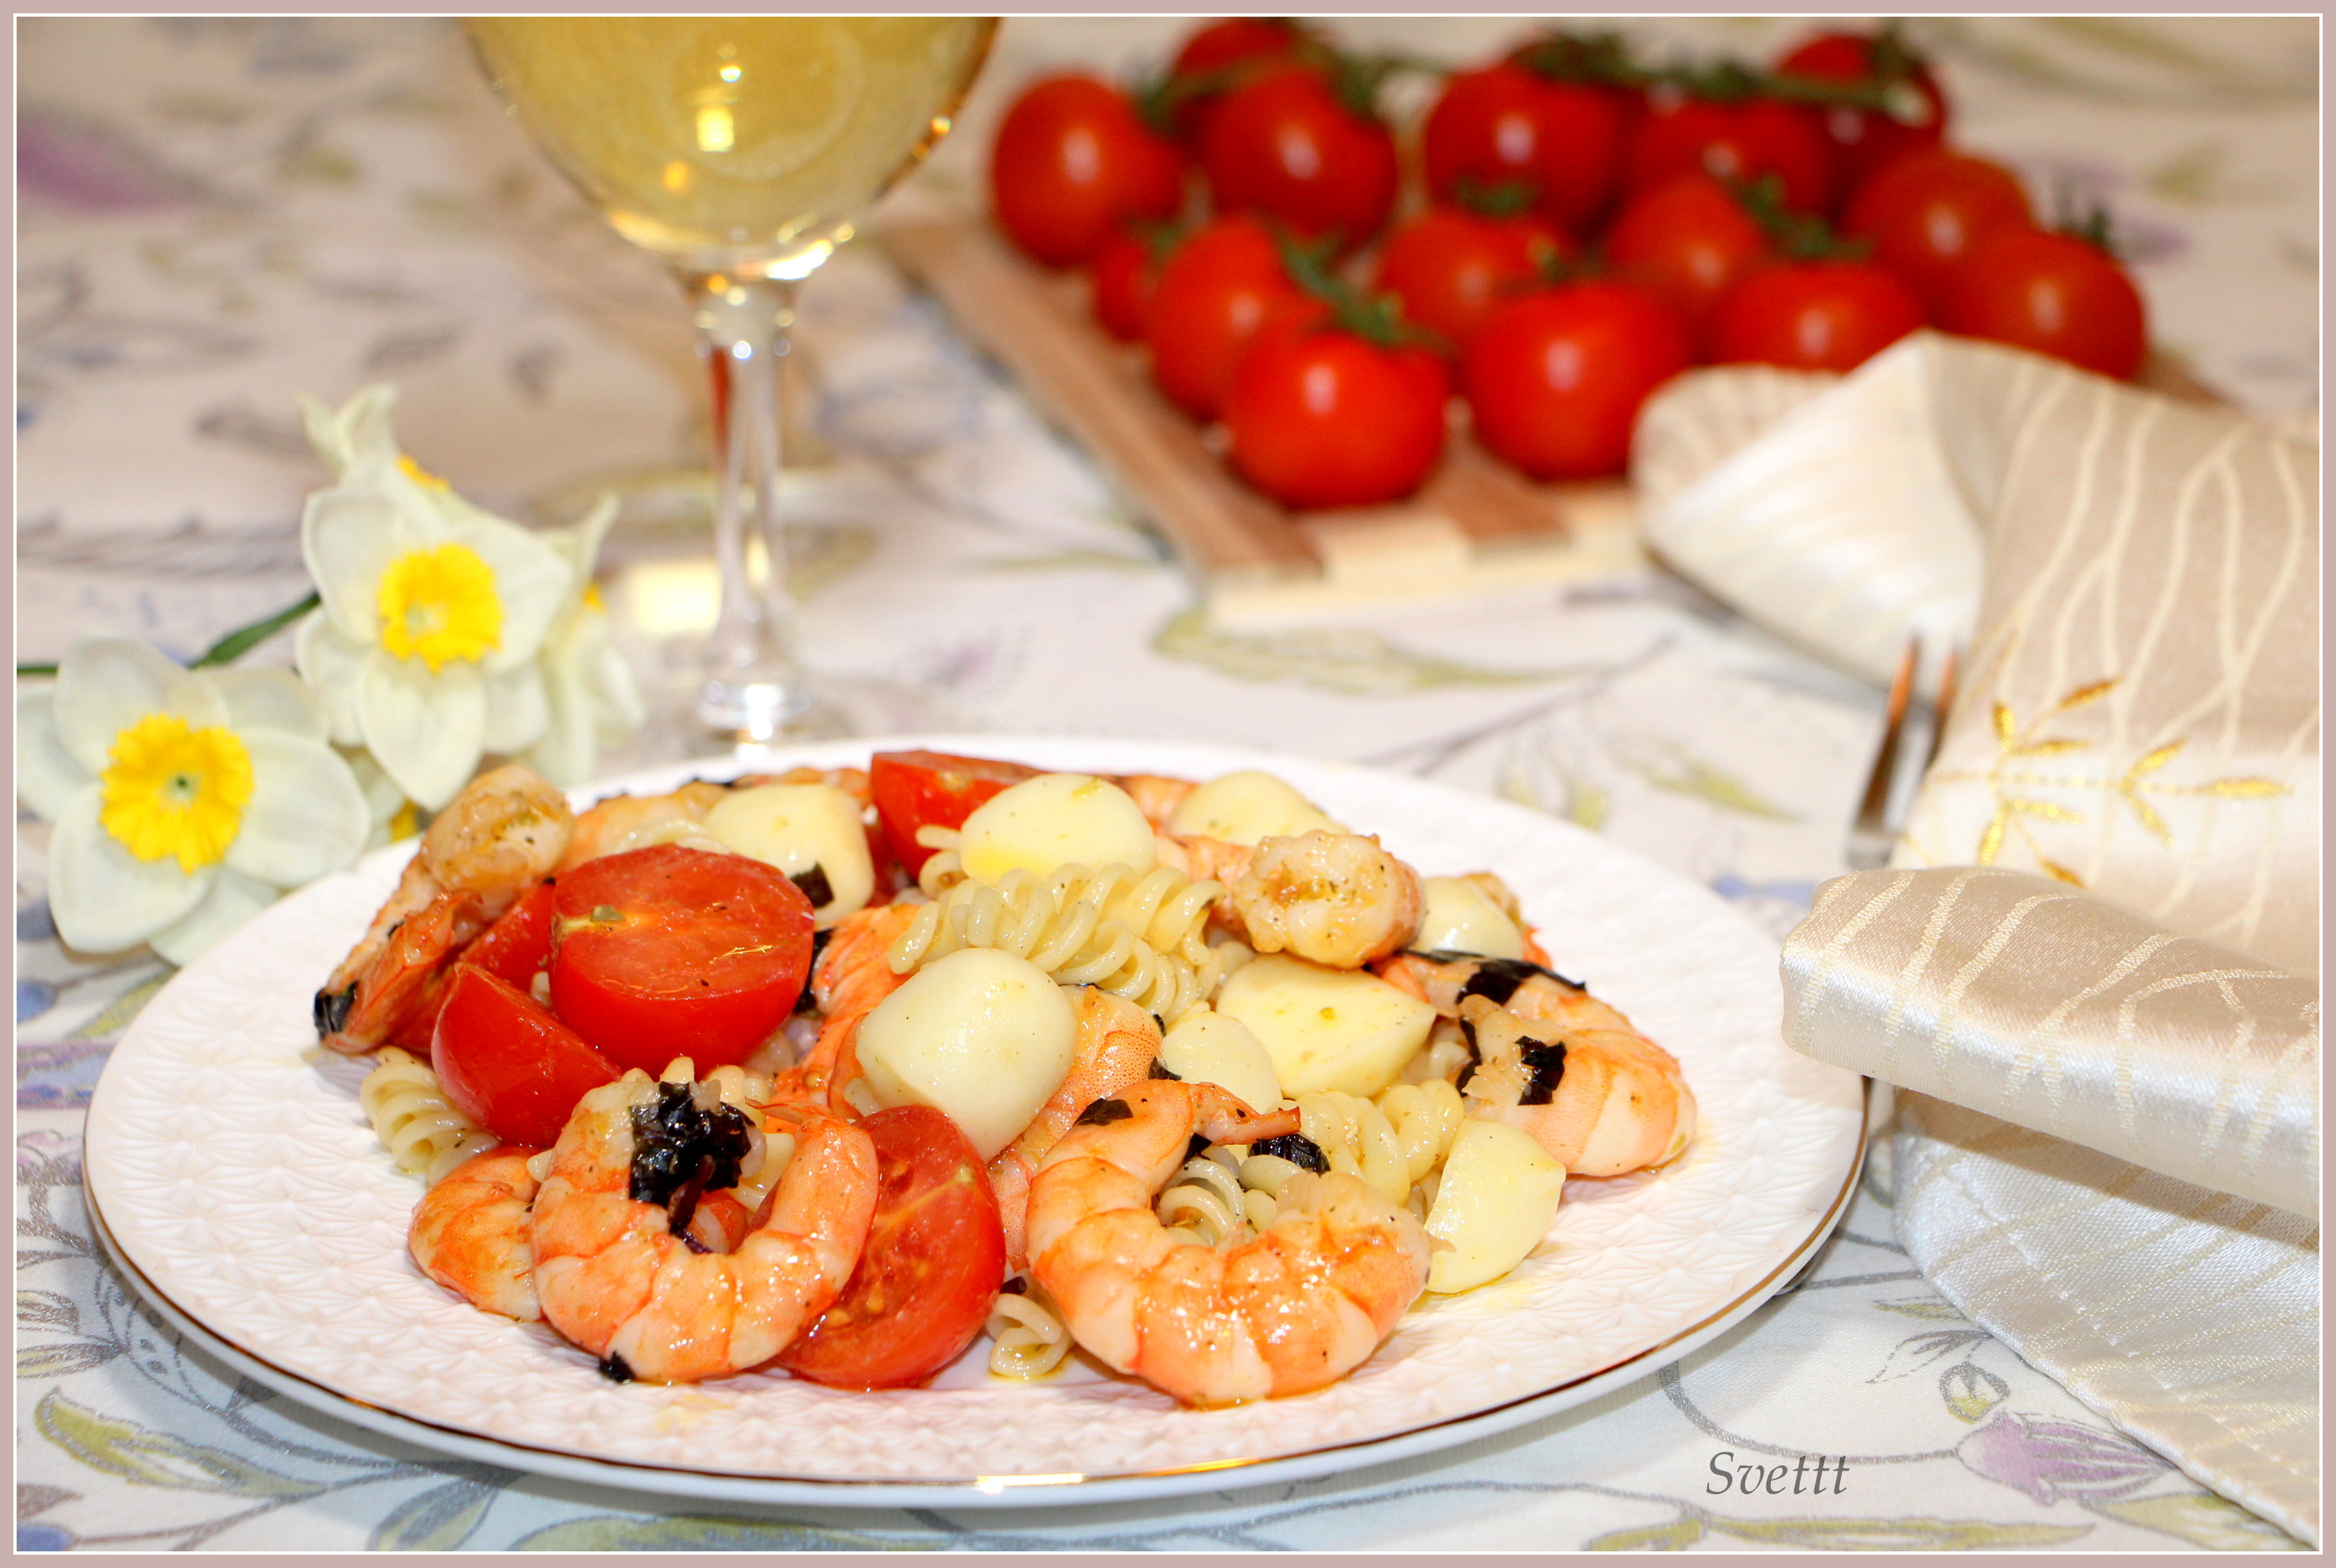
236	1178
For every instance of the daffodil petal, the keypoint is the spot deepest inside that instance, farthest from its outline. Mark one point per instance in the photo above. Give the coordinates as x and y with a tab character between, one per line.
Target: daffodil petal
516	710
333	666
569	747
426	731
107	683
305	816
105	899
532	579
615	691
46	775
232	900
358	435
348	538
268	698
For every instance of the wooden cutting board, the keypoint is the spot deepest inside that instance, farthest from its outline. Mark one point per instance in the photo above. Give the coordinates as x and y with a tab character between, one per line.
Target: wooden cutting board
1477	524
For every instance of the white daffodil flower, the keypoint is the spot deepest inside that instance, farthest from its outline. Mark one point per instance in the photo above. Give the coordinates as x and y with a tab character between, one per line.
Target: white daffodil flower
425	651
588	684
184	800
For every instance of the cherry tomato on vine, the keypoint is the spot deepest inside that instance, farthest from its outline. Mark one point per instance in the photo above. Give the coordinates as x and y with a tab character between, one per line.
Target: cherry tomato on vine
1216	48
1556	380
1811	315
2052	293
1686	135
1214	292
1072	163
1503	125
1863	139
1688	240
1120	281
1453	268
1929	209
935	1253
1323	417
1286	148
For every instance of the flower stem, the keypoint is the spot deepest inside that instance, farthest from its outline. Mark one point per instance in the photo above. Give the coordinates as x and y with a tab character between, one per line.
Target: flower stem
228	649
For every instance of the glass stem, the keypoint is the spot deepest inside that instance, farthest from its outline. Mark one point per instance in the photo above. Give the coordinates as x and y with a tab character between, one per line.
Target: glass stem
754	685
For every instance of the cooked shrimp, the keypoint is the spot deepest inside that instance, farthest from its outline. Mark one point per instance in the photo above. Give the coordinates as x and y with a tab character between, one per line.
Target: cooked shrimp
1156	797
470	1232
1599	1101
619	1276
1296	1307
623	822
849	979
1335	898
1530	990
852	781
1114	1049
497	839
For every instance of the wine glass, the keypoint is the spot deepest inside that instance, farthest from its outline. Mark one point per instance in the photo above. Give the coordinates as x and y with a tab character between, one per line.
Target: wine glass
741	150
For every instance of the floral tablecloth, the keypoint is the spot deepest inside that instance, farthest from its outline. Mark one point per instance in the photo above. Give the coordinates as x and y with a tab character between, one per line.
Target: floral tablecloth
217	215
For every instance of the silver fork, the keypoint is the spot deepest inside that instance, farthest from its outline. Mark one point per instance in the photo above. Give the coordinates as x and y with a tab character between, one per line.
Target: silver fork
1881	813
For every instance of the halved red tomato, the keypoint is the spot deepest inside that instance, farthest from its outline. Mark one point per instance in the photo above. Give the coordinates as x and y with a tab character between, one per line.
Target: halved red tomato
669	951
517	945
508	1064
935	1257
917	789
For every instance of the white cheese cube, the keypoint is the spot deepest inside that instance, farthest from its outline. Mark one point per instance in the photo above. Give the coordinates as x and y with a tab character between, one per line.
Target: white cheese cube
1051	820
1247	807
797	828
1343	1029
1460	918
981	1036
1494	1204
1207	1046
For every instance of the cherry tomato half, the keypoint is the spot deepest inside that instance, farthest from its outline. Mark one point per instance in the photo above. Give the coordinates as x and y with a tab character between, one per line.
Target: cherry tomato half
917	789
1865	141
1811	315
1453	268
1733	142
935	1257
1556	380
1073	162
1323	418
517	945
507	1063
669	951
1213	294
1503	125
1286	148
1929	209
2051	292
1688	240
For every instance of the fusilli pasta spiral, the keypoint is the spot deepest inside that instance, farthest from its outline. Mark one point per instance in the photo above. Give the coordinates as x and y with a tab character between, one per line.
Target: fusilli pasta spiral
423	1133
1391	1144
1136	935
1028	1336
1205	1198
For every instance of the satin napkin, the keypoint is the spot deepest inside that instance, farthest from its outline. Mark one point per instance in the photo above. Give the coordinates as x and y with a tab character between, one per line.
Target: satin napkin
2093	962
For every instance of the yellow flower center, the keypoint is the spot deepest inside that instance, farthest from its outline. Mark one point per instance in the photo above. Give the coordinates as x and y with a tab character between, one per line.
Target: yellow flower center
176	791
420	475
440	605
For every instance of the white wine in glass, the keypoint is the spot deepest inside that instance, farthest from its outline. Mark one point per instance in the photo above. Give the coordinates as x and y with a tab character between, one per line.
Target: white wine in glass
741	149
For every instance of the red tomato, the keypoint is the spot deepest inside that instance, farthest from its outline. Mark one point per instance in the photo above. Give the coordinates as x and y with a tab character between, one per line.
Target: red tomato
935	1257
508	1064
1323	418
1811	315
1863	141
1556	379
2051	292
1733	142
1503	125
669	951
1234	39
1688	240
1929	210
1072	161
917	789
1451	269
516	946
1121	279
1286	148
1214	292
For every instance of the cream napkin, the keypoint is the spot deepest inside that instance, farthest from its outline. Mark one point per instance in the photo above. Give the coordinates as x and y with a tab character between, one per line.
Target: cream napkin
2091	962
